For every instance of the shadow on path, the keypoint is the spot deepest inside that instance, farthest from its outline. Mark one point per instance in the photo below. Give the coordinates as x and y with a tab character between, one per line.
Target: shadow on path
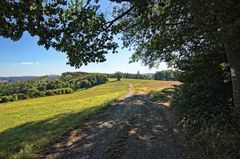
19	140
134	128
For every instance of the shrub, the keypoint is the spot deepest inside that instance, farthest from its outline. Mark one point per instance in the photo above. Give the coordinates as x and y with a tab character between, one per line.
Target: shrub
203	105
5	99
68	90
85	84
22	96
101	78
49	93
58	91
33	92
92	79
14	97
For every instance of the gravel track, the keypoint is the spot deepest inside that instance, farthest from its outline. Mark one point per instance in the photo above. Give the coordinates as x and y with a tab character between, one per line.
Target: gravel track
134	128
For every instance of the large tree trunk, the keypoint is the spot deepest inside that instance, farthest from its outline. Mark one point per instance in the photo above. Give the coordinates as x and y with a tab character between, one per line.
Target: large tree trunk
233	54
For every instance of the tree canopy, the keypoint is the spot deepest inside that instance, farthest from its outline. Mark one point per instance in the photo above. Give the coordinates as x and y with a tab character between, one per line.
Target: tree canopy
118	75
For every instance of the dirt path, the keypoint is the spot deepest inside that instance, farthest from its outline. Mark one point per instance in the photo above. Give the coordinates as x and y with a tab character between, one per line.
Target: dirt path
134	128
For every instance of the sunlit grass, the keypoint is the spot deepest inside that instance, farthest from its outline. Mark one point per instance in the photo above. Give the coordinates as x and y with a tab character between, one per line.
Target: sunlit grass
26	126
147	86
29	125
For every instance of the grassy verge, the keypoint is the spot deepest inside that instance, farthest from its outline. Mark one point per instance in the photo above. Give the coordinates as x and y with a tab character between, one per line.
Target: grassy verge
29	125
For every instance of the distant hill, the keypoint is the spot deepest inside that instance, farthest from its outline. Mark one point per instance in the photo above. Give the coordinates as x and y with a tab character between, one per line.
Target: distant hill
46	77
15	79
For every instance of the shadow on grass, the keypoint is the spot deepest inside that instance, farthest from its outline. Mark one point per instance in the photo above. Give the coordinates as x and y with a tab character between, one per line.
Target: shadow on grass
133	128
24	140
163	95
113	81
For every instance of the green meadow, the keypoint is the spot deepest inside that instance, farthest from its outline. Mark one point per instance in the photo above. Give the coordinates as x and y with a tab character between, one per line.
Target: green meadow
28	125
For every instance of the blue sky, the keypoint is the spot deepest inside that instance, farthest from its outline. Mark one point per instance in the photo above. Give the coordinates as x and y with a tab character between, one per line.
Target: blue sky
25	57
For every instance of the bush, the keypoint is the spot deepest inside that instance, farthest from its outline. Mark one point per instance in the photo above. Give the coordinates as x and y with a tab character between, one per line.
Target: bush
10	98
58	91
92	79
49	93
85	84
68	90
22	96
101	78
203	105
33	92
118	75
14	97
5	99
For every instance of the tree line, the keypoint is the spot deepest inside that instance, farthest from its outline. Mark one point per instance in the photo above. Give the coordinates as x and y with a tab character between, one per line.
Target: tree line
167	75
43	86
120	75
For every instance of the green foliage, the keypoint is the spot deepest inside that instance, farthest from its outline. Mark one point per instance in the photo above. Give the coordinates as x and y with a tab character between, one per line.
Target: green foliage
118	75
204	106
163	95
131	76
91	80
168	75
58	91
45	86
10	98
14	97
101	78
22	96
5	99
85	84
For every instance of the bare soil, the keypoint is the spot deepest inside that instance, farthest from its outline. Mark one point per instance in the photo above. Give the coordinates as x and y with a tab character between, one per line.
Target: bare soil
134	128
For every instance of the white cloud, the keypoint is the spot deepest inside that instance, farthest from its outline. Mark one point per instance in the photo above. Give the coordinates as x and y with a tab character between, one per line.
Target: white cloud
30	63
27	63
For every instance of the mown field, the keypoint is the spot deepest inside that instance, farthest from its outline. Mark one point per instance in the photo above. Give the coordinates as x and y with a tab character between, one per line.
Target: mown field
29	125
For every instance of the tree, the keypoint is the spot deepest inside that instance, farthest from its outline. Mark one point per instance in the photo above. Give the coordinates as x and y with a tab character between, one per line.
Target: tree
173	30
85	84
159	30
166	75
204	107
138	75
118	75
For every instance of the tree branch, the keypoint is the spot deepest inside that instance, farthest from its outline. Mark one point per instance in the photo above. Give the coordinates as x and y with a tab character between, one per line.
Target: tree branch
120	1
119	17
87	3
